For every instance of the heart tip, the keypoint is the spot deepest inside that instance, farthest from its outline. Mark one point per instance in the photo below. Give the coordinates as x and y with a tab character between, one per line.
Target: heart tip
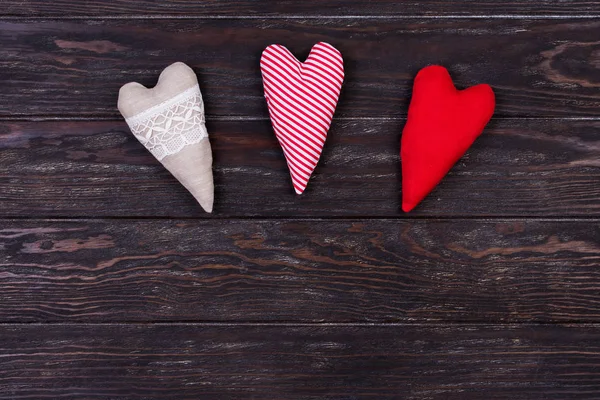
408	207
206	203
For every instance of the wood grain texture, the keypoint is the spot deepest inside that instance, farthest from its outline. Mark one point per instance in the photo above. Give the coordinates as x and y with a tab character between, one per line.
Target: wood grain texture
299	362
332	295
303	270
75	68
78	168
280	8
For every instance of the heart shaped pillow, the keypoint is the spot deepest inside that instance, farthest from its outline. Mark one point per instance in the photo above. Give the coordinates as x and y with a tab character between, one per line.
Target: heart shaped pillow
302	98
442	124
169	121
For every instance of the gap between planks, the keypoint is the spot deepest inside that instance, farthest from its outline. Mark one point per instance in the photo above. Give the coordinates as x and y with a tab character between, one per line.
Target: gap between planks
209	217
300	17
233	324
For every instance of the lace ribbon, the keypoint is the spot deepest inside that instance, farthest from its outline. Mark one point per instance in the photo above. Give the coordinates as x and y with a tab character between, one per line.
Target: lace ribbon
168	127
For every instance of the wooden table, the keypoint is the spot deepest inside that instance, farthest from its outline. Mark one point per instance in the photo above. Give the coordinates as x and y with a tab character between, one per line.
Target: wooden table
115	285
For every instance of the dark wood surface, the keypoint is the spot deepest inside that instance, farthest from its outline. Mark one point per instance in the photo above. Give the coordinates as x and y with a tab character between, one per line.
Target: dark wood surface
546	67
517	167
115	285
189	361
313	8
300	270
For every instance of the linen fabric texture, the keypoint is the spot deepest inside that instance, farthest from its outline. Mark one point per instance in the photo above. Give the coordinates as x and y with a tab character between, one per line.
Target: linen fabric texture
169	121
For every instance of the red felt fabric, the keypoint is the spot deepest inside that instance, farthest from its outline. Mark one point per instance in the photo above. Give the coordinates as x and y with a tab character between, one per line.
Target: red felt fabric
442	124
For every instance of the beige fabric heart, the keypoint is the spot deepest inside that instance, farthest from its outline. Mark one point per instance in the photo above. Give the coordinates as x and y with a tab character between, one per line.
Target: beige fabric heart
169	121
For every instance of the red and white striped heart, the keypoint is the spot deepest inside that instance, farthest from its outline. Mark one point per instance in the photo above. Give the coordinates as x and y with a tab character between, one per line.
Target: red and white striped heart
302	98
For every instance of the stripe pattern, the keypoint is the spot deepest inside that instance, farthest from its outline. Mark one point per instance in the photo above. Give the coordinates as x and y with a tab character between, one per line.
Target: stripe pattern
302	98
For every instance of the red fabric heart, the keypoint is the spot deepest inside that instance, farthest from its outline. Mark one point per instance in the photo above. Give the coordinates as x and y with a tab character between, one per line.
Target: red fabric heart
302	98
442	124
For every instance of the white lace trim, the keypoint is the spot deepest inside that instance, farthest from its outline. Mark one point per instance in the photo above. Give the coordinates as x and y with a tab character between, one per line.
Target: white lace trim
168	127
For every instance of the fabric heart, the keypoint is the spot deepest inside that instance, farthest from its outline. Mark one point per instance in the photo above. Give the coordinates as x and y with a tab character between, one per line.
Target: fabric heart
442	124
302	98
169	121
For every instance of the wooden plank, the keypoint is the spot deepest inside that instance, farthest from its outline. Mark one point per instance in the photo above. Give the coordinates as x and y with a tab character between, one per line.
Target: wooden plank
517	167
300	270
75	68
208	8
299	362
